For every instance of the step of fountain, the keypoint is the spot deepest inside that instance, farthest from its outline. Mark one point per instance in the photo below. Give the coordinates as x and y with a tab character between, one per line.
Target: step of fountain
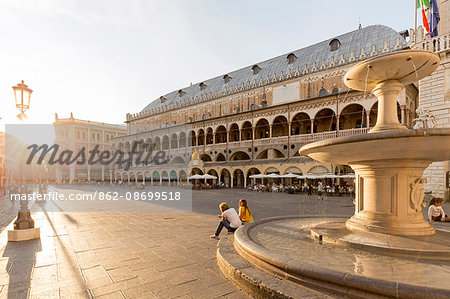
284	250
436	247
256	282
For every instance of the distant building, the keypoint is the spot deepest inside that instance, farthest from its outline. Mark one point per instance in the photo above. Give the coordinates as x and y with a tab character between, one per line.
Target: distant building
434	94
74	134
255	119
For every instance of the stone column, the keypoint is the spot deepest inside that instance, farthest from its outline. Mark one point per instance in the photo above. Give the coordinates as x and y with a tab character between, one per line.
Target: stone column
387	92
367	119
245	181
403	117
388	200
312	126
231	181
270	131
337	122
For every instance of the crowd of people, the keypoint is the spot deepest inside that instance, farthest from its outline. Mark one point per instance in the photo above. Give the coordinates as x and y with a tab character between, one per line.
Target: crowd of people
308	189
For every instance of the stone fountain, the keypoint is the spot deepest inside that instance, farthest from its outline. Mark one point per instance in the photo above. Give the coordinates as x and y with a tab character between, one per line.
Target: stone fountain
386	249
390	160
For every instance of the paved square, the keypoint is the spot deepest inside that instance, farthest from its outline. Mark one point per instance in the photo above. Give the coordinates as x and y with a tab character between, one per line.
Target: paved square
138	255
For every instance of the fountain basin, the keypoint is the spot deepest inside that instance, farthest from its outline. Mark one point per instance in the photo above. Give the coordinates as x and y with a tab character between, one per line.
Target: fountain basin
428	145
389	166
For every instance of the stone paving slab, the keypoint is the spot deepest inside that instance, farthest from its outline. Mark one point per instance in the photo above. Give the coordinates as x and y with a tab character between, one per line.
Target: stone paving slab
138	255
115	255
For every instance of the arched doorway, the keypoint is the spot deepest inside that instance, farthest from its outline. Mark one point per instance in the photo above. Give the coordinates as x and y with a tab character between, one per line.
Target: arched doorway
201	137
234	133
301	124
324	121
221	134
246	131
352	116
212	182
209	136
238	179
225	178
173	178
156	178
262	129
253	171
280	126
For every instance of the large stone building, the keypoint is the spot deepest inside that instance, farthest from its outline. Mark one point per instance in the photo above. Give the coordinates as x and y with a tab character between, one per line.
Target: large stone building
74	134
435	93
255	119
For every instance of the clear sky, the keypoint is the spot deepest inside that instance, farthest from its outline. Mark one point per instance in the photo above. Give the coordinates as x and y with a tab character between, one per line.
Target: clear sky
101	59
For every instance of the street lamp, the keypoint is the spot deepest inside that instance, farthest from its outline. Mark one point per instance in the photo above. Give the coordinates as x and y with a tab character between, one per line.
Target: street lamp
22	94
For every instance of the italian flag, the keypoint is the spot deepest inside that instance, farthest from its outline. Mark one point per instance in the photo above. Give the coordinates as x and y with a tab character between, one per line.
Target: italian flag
422	4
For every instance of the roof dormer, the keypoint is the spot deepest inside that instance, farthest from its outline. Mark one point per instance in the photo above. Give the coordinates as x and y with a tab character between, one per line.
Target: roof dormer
181	93
291	58
256	69
202	86
162	99
226	78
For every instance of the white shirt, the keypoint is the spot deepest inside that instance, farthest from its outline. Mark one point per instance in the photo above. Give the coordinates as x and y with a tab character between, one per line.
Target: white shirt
435	211
320	187
232	216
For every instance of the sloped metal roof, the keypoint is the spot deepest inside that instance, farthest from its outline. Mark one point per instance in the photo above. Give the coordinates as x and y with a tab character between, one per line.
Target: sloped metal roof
309	60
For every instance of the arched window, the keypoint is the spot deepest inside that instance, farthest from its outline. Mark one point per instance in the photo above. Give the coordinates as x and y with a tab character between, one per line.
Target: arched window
253	107
264	104
323	92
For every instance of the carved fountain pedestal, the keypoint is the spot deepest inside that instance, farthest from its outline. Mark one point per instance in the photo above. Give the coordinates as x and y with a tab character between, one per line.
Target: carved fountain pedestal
390	160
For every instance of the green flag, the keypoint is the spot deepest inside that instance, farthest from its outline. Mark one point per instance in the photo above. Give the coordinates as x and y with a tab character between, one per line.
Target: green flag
426	3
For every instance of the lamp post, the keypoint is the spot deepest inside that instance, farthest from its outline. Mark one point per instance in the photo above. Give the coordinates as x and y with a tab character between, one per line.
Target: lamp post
22	95
24	227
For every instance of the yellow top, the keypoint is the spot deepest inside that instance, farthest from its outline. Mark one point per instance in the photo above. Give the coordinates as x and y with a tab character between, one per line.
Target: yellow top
245	214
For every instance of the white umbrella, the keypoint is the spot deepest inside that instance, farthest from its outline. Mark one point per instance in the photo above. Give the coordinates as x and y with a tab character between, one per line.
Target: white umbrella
289	175
257	176
195	177
208	176
272	175
348	176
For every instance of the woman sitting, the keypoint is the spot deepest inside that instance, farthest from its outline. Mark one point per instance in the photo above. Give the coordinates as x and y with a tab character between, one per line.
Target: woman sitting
244	212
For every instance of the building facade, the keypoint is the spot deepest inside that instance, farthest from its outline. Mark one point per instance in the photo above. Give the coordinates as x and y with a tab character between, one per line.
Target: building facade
255	119
434	94
73	135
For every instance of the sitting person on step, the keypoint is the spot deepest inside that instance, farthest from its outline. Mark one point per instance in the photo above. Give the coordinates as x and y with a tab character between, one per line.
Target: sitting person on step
230	220
244	212
435	211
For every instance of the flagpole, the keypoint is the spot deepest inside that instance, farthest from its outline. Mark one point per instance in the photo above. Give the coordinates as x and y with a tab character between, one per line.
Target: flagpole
415	21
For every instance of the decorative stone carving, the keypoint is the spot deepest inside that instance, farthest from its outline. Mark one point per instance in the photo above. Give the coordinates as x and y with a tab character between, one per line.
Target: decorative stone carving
425	120
416	194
